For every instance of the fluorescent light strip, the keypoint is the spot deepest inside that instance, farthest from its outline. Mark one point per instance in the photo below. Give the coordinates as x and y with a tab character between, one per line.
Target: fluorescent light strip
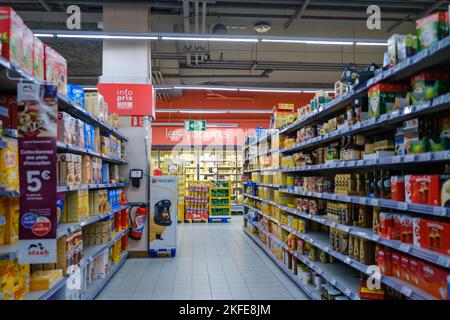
381	44
104	36
89	88
205	88
208	125
272	90
44	35
210	39
342	43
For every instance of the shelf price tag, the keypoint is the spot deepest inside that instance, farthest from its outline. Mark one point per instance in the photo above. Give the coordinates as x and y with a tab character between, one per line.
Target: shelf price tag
405	248
406	291
402	206
443	261
374	202
348	261
440	211
333	281
410	158
362	200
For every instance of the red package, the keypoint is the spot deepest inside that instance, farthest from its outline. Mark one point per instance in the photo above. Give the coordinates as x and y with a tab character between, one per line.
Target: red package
434	280
39	59
390	226
425	189
124	243
404	268
435	236
12	26
124	218
9	102
406	229
397	188
414	271
396	265
118	221
385	262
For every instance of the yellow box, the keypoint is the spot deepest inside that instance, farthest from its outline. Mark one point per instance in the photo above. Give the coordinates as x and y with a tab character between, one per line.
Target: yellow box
11	234
44	280
9	165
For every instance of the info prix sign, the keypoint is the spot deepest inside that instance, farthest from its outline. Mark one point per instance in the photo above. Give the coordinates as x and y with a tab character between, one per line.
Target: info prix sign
128	99
37	116
195	125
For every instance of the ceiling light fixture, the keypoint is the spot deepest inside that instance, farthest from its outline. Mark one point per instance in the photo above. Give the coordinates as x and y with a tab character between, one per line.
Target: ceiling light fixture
208	125
210	39
205	88
105	36
328	42
268	90
44	35
381	44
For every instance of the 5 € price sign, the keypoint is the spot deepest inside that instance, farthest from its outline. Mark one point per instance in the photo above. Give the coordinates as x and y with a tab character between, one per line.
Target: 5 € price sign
34	179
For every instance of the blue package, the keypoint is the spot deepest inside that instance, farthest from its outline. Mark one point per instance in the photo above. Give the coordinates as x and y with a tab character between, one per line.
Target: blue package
87	137
92	138
76	95
105	173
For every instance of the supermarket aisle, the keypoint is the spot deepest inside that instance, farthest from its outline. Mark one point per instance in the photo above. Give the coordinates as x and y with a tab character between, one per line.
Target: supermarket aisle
215	261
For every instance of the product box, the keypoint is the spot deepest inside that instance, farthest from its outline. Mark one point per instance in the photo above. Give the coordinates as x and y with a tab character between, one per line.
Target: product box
88	137
46	279
445	191
435	236
417	222
28	50
9	165
75	94
396	265
12	28
397	188
407	46
385	98
431	29
406	229
66	169
385	262
429	84
390	226
405	269
79	133
86	170
102	265
56	70
434	280
414	271
424	189
392	50
414	136
9	218
105	173
66	129
38	59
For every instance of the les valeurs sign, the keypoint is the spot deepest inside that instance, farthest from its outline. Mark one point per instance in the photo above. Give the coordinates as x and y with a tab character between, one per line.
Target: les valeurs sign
128	99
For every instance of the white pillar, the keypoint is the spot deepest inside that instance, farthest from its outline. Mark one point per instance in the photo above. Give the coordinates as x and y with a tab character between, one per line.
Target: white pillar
129	61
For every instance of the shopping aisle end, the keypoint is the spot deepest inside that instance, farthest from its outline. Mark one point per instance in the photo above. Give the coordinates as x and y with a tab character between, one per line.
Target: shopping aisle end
214	261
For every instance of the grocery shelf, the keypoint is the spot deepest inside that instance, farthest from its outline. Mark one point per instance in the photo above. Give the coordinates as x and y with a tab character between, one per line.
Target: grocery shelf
91	187
97	286
77	111
10	194
438	104
92	252
83	151
437	54
385	203
426	157
340	276
320	240
428	255
9	251
310	291
67	228
46	294
64	104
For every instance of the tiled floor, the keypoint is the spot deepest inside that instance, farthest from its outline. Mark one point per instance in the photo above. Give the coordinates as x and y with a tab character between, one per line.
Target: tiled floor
214	261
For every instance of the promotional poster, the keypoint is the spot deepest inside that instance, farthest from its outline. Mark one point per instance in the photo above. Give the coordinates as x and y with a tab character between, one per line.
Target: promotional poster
37	116
163	213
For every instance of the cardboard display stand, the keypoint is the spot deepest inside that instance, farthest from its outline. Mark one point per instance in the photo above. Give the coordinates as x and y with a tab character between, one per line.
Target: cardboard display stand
163	214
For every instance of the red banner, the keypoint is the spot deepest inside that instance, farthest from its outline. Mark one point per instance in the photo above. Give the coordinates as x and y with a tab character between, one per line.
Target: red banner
213	136
128	99
38	106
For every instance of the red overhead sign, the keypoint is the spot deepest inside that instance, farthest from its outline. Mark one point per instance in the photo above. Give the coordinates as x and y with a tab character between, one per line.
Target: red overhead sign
128	99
